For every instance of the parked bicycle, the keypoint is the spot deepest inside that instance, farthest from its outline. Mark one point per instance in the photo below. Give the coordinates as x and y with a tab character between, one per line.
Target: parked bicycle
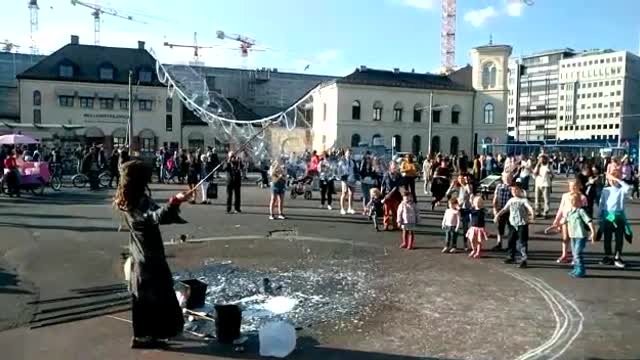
82	180
56	177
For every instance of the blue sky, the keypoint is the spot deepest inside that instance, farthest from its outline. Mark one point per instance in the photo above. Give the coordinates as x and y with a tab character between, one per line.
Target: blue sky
333	36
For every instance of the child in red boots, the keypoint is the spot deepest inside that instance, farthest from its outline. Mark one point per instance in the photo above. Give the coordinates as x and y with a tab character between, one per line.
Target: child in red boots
408	217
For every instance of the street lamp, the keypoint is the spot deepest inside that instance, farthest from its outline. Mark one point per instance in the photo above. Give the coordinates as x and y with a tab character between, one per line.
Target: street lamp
431	108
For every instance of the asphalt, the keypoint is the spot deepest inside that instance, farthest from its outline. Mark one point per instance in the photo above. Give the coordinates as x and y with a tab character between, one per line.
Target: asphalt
62	294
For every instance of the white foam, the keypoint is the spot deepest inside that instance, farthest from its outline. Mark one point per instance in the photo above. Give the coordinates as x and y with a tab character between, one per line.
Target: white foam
279	304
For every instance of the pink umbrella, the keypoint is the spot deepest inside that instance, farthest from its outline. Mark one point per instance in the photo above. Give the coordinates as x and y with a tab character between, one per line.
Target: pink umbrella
14	139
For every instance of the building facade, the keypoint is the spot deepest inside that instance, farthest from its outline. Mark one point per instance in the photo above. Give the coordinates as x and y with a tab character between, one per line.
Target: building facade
87	86
532	109
394	108
598	97
12	64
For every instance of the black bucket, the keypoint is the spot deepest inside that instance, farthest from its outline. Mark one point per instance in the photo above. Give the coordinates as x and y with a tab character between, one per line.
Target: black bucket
195	290
228	320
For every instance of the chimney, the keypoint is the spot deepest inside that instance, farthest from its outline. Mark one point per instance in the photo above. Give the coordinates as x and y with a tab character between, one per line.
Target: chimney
140	45
396	70
363	68
75	40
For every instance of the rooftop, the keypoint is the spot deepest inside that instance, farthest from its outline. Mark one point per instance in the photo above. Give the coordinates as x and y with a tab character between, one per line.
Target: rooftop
458	80
551	52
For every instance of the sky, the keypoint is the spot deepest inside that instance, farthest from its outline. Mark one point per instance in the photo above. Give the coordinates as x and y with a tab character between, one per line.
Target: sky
330	37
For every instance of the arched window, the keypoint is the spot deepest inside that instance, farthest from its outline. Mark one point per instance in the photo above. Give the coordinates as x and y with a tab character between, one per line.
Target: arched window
435	145
377	140
488	141
397	142
397	111
377	111
355	140
355	110
489	113
453	149
37	98
489	75
147	140
417	112
455	114
415	144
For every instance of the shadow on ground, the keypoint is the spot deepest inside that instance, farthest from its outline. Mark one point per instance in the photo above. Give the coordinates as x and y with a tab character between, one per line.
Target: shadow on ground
9	283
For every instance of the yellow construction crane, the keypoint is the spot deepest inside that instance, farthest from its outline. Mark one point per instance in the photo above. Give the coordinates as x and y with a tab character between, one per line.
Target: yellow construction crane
98	10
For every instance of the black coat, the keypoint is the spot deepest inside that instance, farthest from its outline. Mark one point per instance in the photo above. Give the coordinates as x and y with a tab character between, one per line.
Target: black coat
234	171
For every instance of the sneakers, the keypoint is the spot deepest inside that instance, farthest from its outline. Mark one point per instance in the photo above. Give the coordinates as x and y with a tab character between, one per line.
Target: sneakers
453	251
619	263
563	260
342	212
281	217
271	217
523	264
329	207
351	211
606	261
577	274
445	250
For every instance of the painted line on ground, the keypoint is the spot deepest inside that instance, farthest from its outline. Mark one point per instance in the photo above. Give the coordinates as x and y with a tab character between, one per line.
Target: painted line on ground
267	237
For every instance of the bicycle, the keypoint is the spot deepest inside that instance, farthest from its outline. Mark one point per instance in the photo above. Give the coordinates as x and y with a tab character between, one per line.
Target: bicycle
56	177
82	180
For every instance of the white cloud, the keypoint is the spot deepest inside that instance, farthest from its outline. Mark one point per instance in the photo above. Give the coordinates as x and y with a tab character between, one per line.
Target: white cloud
514	8
478	17
418	4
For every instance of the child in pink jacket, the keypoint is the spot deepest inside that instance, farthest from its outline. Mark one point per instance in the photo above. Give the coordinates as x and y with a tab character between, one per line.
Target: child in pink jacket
408	216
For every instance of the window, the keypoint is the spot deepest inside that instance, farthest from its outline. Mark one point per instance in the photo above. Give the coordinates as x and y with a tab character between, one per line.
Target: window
324	111
435	144
435	115
375	139
599	105
617	126
65	71
561	97
145	105
124	104
355	140
397	111
588	116
355	110
489	75
455	144
37	98
416	144
600	94
168	122
86	102
417	113
583	106
377	111
599	126
106	103
144	76
147	145
397	140
119	141
106	73
588	127
489	114
606	115
606	83
610	126
599	116
618	92
608	60
618	103
619	82
169	105
455	114
66	101
589	95
37	116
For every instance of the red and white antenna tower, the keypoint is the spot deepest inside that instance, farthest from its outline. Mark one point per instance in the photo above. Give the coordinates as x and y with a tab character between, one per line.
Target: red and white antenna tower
33	12
448	36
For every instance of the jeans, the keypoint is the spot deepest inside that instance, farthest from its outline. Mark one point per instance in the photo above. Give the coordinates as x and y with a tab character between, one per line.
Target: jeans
519	234
326	191
613	229
410	185
450	237
577	247
233	193
366	196
542	191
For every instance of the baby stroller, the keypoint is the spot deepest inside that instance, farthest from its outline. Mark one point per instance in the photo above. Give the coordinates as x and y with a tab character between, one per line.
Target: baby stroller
302	187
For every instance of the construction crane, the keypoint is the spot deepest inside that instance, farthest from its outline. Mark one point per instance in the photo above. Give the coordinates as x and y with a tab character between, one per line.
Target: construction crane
246	44
195	47
98	11
8	46
33	11
448	33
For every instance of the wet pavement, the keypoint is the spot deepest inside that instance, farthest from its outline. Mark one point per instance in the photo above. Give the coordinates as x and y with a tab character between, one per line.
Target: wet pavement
357	295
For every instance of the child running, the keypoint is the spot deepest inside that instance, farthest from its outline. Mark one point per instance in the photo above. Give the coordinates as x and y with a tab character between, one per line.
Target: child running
476	233
577	221
407	220
518	207
374	207
450	225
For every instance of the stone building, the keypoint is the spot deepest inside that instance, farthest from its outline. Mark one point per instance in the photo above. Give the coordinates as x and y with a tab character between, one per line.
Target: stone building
466	108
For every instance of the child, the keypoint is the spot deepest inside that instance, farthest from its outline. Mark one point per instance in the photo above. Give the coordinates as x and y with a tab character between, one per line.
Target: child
563	209
374	207
407	220
450	225
576	221
476	233
518	207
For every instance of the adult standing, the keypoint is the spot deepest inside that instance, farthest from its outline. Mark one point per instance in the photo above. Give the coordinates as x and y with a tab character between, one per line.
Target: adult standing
278	186
588	186
366	179
233	168
391	183
613	218
90	167
500	197
409	174
543	175
463	162
440	183
155	312
114	172
347	171
312	169
525	172
12	178
327	180
426	173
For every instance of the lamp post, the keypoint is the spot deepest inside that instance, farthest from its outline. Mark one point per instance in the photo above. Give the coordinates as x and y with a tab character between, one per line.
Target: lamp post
431	108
